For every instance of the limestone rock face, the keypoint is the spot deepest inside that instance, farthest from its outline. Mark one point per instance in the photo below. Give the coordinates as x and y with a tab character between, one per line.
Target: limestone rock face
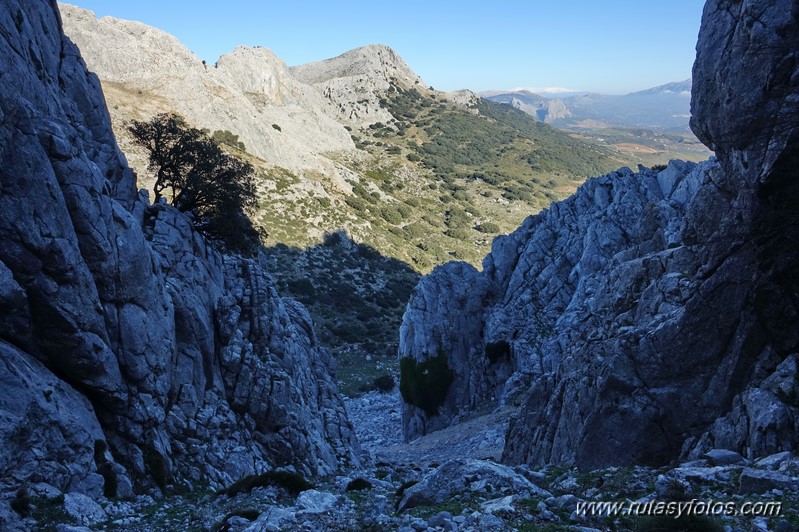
652	314
354	80
246	92
443	316
744	103
127	341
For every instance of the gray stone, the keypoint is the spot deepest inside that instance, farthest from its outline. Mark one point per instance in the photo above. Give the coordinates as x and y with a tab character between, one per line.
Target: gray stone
259	89
443	520
722	457
83	509
760	481
602	307
273	519
773	461
315	502
502	504
157	339
457	476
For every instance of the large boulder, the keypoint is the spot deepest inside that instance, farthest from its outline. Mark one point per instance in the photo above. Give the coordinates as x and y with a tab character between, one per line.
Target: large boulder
467	476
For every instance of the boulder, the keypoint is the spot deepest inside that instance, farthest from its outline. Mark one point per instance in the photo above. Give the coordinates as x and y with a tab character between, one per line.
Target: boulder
83	509
461	476
761	481
722	457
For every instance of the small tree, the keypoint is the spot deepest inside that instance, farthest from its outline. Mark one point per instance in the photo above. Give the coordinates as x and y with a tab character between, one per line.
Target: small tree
201	178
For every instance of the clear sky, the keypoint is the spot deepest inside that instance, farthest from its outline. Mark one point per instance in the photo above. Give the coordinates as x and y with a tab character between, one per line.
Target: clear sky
607	46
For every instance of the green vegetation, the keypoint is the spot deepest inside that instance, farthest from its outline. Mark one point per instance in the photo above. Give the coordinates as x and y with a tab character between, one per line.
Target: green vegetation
425	385
229	139
48	513
432	184
383	383
199	177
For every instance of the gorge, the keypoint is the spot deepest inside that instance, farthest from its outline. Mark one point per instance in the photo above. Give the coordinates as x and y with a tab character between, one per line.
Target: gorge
640	335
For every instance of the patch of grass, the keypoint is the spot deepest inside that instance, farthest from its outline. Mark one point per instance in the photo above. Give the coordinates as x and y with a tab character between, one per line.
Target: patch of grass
50	512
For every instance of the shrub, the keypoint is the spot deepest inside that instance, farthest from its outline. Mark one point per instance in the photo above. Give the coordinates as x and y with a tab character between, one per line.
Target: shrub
383	383
425	385
302	286
359	484
158	467
277	127
458	233
110	481
21	503
488	227
416	230
228	138
391	214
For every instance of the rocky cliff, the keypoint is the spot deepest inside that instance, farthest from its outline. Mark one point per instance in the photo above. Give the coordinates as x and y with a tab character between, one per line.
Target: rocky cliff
652	314
133	354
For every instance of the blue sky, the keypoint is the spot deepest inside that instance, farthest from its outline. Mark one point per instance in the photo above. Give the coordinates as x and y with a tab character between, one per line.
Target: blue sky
611	46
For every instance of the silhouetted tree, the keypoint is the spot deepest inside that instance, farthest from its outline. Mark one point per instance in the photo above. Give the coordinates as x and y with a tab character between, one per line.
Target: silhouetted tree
201	178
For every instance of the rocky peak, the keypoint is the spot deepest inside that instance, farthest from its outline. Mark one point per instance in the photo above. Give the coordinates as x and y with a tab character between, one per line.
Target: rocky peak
744	104
258	72
248	90
378	63
355	81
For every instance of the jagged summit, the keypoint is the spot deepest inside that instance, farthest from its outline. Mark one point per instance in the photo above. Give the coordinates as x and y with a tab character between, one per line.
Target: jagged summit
356	80
378	62
247	91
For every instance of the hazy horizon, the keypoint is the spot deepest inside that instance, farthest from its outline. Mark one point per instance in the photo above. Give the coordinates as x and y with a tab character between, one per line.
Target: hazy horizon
614	47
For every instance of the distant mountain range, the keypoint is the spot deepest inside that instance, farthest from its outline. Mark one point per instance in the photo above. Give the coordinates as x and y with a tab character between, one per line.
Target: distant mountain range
665	108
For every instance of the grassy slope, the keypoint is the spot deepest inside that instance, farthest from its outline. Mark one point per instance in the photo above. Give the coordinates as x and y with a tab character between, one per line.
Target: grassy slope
437	183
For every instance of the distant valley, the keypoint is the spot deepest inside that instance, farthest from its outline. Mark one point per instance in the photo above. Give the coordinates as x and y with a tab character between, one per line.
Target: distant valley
651	125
